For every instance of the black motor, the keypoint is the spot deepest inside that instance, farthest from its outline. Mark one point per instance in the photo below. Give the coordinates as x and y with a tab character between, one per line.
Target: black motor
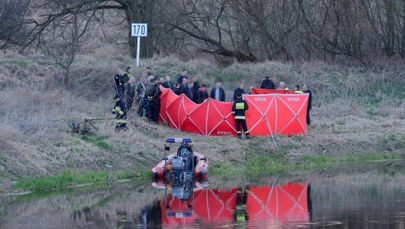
182	167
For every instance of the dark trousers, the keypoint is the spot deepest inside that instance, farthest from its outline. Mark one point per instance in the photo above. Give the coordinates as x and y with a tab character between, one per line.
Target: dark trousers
121	123
143	102
119	90
154	107
120	126
130	101
241	122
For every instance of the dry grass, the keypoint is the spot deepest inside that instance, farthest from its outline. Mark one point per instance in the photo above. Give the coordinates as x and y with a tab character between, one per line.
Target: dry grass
355	110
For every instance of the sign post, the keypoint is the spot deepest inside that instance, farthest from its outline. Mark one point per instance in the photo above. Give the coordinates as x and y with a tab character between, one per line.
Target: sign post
139	30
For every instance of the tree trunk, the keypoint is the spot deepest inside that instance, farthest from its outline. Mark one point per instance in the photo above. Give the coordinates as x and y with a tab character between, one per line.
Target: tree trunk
390	42
147	15
403	30
140	12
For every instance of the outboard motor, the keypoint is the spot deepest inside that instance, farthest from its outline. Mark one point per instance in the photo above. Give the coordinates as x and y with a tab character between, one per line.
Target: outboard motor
182	167
187	154
178	169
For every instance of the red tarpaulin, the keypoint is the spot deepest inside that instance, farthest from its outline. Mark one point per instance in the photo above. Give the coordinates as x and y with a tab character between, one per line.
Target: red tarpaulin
281	204
208	206
268	114
270	91
213	206
265	205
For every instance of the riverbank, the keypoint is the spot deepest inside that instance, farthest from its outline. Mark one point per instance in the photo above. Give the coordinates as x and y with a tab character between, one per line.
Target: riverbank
358	115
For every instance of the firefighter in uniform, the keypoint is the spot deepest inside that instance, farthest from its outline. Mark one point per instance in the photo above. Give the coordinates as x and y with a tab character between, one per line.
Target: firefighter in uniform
239	108
120	113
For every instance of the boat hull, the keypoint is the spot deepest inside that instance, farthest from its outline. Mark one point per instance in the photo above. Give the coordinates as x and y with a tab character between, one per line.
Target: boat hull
200	170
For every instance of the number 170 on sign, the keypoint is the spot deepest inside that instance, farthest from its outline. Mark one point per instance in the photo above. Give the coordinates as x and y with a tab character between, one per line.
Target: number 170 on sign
139	29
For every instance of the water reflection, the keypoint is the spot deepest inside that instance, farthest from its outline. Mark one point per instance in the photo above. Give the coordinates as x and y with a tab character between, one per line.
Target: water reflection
317	200
271	205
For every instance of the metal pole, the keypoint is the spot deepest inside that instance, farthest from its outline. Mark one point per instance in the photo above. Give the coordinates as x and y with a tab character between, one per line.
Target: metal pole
138	50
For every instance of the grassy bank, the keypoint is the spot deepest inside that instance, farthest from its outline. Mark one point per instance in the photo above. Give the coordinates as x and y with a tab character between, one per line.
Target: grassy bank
358	115
256	165
279	163
71	179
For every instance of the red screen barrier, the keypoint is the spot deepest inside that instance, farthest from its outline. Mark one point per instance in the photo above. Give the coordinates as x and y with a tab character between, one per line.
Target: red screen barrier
268	114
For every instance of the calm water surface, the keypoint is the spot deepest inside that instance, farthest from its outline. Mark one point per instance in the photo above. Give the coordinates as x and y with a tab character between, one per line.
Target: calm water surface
356	198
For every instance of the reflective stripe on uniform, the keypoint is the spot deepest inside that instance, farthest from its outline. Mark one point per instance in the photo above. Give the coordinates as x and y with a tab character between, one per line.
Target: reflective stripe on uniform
118	110
240	106
239	117
121	121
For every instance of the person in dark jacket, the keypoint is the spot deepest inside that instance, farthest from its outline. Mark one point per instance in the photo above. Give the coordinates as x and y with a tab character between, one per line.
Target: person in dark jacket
239	90
120	113
167	83
194	89
191	91
130	93
177	89
309	106
182	75
141	101
218	93
239	108
185	89
152	93
119	84
202	94
267	83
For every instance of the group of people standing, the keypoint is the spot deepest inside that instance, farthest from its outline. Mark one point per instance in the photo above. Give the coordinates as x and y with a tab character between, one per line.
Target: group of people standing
145	94
192	88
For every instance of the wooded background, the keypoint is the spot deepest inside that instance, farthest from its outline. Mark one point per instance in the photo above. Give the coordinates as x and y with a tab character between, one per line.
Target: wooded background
245	30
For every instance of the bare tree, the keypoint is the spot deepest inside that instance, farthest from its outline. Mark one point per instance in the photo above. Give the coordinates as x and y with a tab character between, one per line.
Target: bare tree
12	16
247	30
64	40
47	12
205	21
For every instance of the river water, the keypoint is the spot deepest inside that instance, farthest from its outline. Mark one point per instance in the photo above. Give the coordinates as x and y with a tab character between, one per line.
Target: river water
371	196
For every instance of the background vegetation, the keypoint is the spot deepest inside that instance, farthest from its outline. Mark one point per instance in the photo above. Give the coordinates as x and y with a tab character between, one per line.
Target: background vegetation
245	30
58	59
358	115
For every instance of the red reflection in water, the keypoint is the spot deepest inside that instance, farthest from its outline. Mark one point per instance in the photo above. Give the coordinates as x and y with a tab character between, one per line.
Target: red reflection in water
258	205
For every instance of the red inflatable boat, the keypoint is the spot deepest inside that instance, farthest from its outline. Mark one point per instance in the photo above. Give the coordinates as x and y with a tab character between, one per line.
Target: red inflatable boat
185	161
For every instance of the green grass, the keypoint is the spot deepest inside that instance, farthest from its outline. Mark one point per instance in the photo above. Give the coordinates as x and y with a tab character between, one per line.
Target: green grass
278	163
47	183
98	141
128	174
68	179
219	169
